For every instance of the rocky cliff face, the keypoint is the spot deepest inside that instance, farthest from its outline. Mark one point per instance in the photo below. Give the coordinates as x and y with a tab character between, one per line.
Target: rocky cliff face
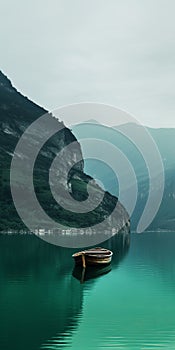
16	114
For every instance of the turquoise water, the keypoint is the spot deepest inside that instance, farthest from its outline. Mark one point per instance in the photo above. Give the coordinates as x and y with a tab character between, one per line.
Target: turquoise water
42	306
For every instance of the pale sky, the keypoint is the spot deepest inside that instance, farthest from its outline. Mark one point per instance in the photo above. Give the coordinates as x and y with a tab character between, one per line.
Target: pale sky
118	52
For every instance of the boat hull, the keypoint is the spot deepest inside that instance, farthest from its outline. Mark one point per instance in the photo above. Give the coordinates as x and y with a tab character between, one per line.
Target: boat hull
91	272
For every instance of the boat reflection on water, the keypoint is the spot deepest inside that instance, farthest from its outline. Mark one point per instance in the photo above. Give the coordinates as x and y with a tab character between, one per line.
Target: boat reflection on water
90	272
119	244
36	281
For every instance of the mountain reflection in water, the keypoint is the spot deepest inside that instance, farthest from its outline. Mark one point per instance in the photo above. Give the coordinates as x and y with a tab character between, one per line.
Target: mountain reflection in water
41	302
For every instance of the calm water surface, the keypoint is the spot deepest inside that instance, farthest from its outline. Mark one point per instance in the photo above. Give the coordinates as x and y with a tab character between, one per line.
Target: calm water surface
42	306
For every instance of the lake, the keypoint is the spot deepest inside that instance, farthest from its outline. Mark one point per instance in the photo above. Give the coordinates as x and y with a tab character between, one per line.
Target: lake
43	306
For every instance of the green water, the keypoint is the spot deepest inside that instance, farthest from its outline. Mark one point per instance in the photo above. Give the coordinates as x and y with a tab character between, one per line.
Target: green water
42	306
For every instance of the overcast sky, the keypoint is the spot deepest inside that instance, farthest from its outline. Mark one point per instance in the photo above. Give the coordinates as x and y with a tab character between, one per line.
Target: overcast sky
119	52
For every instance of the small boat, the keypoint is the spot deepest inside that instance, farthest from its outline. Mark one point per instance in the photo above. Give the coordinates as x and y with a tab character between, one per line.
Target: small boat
93	256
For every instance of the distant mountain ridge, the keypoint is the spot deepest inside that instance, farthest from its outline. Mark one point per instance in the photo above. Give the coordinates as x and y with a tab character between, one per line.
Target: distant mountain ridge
165	141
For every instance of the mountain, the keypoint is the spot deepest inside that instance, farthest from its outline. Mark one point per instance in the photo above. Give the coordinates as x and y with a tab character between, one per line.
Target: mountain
165	141
17	112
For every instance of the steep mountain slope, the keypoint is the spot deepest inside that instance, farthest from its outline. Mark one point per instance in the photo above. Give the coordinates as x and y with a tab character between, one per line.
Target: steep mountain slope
16	114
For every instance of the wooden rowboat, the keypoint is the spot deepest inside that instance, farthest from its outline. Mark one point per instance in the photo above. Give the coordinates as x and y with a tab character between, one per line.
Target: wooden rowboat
94	256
